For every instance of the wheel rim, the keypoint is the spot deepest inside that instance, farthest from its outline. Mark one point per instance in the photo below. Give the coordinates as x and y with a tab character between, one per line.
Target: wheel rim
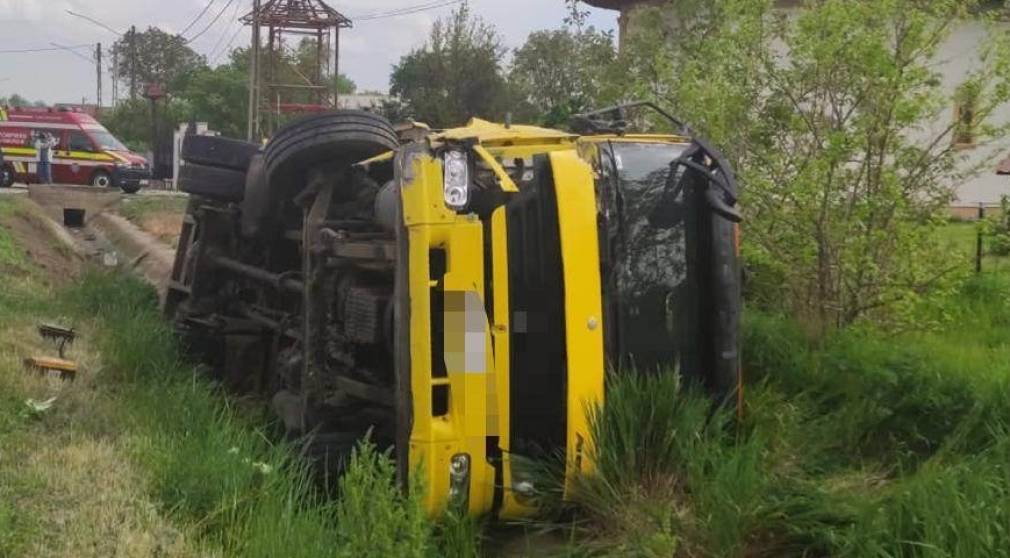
102	180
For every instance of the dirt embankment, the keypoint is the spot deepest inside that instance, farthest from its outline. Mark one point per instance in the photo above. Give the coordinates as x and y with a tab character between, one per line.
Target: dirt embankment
68	484
34	245
158	216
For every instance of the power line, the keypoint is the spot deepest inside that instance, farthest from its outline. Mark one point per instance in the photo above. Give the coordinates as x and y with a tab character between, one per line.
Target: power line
407	10
211	24
227	49
234	17
47	49
89	59
197	18
95	21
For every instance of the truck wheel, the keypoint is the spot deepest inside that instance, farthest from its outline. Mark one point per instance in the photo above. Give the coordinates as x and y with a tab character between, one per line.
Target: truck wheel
343	137
101	179
130	189
6	176
257	207
216	151
213	182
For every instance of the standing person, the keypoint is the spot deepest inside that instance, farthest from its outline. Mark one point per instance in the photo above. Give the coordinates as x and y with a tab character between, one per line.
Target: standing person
44	157
6	176
5	180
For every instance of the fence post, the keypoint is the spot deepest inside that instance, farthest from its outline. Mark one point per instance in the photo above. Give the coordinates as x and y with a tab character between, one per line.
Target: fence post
978	239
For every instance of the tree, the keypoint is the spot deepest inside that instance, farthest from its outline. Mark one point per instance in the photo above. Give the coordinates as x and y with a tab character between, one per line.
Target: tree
16	100
456	75
154	56
218	96
840	128
130	121
566	71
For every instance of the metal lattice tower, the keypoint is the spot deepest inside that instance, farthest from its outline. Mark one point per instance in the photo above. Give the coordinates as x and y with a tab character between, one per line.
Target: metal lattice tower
274	92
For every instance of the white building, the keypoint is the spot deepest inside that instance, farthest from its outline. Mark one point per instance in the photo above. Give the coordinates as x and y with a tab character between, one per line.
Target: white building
361	101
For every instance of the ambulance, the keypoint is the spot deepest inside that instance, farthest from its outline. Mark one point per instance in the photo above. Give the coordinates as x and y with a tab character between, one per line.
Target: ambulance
85	152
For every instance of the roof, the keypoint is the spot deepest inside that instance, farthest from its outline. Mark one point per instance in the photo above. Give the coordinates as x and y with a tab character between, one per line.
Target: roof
613	4
492	133
50	115
298	14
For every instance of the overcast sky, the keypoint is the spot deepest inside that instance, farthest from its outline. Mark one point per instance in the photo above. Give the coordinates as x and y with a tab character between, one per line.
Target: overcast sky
368	50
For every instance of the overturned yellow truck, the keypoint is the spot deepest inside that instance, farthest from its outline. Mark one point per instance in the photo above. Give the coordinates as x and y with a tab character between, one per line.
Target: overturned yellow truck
457	296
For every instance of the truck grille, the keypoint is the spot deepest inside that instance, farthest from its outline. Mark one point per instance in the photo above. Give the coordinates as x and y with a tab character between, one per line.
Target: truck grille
538	370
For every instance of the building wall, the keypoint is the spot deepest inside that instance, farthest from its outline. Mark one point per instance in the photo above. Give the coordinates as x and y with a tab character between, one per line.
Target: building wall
957	59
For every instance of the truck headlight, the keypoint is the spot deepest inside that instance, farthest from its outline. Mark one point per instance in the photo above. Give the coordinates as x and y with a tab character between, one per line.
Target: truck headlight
459	480
456	179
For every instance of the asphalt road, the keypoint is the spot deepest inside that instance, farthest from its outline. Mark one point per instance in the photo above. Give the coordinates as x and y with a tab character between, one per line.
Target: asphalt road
13	190
19	189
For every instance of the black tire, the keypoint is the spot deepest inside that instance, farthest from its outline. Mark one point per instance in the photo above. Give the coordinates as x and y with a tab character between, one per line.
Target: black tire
101	179
213	182
6	176
216	151
129	188
341	137
257	205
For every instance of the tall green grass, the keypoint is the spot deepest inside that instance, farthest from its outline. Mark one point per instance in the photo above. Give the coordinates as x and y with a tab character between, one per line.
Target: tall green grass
859	444
218	471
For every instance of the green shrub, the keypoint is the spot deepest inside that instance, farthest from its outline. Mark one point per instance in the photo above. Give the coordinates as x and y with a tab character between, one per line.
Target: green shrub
373	516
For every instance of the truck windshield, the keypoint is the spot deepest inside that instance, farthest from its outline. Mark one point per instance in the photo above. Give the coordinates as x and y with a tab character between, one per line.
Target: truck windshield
647	264
106	141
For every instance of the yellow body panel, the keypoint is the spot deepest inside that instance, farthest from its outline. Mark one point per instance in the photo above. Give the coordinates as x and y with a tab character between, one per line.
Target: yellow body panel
490	133
573	179
478	391
435	437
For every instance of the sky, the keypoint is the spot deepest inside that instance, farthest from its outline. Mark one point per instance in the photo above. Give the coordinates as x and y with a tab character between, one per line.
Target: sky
368	50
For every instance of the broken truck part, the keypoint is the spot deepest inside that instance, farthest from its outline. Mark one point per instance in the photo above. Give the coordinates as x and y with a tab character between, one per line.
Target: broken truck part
458	295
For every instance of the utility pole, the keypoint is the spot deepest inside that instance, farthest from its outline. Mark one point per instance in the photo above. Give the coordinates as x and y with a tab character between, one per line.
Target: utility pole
98	68
252	131
115	76
336	63
133	61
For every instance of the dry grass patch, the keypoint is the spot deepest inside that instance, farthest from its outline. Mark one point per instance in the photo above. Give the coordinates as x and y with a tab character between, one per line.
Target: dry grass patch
159	216
69	485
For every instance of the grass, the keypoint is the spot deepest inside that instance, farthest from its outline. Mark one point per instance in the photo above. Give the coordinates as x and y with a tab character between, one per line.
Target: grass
861	444
142	456
217	471
160	216
962	237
